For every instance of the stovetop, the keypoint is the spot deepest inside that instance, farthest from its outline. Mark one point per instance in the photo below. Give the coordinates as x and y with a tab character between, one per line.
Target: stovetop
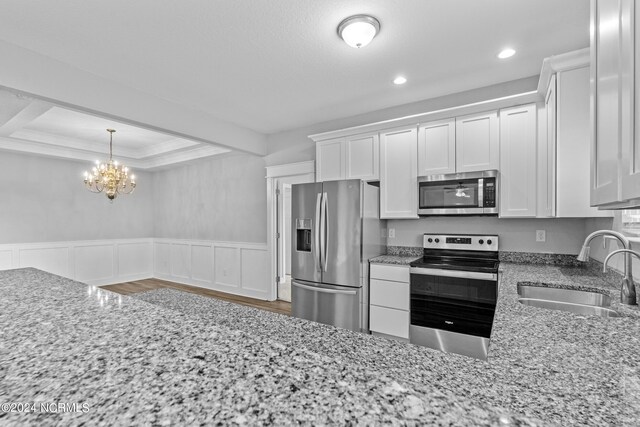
469	252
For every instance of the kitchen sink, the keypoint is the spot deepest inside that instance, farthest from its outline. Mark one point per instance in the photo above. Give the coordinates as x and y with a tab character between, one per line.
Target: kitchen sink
579	302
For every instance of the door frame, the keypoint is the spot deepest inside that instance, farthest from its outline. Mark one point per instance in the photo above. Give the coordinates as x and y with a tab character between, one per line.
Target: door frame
292	173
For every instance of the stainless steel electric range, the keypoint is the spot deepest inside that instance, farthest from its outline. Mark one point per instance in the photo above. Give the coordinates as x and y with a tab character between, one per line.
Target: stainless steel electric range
454	289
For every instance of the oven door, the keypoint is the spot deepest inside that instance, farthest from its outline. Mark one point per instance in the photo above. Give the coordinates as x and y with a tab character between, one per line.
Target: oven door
457	301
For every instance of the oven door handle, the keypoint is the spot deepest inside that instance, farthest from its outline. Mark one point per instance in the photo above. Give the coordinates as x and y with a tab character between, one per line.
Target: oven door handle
453	273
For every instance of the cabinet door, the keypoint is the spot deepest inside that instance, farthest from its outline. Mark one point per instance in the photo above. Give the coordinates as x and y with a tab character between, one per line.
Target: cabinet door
631	122
437	148
477	142
605	101
399	173
330	160
517	166
363	157
547	155
572	147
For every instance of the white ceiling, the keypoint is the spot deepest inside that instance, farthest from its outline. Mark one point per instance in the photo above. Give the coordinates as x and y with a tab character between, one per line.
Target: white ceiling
36	126
275	65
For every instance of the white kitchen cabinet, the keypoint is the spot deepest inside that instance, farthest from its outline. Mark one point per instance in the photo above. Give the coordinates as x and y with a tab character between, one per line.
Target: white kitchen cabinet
330	160
437	147
518	149
614	176
477	142
389	300
355	157
363	157
399	173
572	191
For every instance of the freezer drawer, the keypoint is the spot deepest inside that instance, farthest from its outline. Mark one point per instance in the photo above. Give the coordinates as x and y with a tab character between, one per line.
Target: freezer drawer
333	305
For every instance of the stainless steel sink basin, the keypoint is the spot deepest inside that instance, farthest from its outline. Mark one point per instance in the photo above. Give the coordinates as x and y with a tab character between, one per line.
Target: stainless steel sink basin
578	302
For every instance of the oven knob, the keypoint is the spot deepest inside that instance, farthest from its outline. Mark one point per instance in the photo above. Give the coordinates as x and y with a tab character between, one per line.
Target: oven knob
481	241
437	240
489	242
429	240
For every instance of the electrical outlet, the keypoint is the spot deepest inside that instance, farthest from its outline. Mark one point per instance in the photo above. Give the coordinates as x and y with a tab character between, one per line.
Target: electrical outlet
392	233
541	236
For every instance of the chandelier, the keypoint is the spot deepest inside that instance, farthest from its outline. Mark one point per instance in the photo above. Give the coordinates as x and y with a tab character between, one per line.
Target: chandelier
111	178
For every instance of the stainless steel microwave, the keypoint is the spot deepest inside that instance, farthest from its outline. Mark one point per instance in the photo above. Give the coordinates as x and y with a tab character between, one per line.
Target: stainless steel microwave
471	193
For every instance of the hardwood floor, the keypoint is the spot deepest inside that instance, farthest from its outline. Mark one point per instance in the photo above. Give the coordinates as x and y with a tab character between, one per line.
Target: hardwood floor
137	286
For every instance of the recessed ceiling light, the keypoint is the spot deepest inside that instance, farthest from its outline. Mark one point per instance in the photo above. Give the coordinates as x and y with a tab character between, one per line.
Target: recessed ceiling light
506	53
358	30
399	80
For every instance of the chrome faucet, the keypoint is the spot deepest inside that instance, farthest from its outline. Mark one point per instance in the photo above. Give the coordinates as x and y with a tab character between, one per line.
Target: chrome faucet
627	293
627	289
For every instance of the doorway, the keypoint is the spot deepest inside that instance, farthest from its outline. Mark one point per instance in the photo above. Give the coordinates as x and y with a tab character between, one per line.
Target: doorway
279	181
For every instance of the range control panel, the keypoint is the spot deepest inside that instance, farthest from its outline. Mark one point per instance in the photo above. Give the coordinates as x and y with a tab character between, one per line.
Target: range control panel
467	242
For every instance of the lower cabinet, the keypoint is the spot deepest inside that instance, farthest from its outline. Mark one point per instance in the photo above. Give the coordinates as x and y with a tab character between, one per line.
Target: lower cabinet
389	300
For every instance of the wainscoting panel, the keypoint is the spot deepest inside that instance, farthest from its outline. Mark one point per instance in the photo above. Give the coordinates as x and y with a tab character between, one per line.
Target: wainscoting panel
202	264
234	267
162	259
52	259
253	274
94	263
6	259
227	266
180	263
135	259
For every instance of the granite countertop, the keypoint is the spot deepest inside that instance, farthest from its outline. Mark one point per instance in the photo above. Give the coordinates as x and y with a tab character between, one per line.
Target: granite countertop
394	259
170	357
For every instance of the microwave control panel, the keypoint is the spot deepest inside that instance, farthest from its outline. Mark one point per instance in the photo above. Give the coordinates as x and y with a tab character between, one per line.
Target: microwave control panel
489	193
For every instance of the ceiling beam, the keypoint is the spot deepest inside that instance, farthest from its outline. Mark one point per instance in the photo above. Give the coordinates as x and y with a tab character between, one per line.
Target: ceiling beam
43	77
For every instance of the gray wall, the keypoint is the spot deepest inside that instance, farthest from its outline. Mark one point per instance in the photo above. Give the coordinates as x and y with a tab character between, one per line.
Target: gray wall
219	198
564	235
295	146
43	200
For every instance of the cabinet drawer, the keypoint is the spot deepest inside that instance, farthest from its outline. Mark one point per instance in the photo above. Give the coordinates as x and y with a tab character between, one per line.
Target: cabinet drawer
389	294
395	273
389	321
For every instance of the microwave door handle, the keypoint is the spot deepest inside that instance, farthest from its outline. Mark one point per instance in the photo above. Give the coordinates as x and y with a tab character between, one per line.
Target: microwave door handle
316	245
481	193
323	232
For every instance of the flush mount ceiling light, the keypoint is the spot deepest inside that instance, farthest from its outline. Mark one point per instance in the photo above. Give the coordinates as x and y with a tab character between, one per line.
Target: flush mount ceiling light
358	30
110	177
399	80
506	53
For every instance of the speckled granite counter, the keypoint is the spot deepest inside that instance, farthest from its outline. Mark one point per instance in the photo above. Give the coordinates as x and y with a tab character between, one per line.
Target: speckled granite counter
394	259
189	359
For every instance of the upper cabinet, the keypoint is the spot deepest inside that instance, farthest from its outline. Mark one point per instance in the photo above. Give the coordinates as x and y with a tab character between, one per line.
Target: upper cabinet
354	157
477	142
399	173
615	146
463	144
437	148
518	148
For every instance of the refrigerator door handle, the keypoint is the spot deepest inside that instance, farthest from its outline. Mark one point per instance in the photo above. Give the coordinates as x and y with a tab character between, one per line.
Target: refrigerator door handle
326	231
316	244
322	290
323	232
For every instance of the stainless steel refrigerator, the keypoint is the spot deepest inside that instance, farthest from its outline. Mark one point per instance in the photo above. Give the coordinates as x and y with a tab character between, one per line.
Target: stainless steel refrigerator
336	228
